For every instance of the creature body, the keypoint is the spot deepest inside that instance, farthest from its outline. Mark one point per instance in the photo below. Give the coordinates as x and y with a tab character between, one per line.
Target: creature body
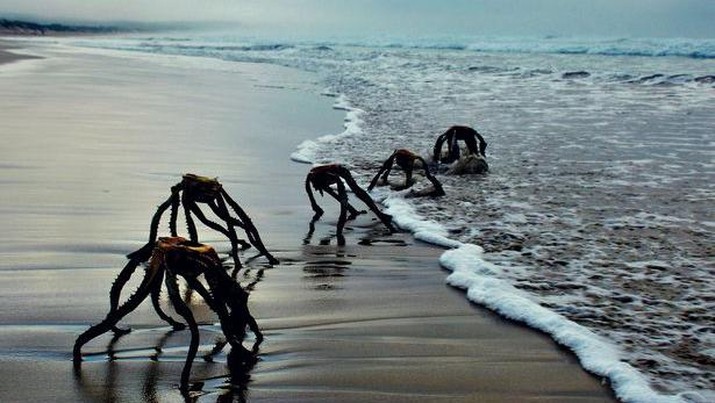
323	177
471	164
406	160
195	189
174	257
452	136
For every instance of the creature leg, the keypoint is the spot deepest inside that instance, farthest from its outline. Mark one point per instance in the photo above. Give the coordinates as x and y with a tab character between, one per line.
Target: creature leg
144	253
408	175
453	148
437	150
343	199
155	296
185	312
221	211
250	229
175	200
230	233
386	167
471	143
438	190
190	225
117	287
113	317
353	211
362	195
233	335
318	211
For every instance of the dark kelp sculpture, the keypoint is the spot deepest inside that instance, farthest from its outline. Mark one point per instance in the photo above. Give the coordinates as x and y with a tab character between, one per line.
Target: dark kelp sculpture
192	191
174	257
452	136
407	161
323	177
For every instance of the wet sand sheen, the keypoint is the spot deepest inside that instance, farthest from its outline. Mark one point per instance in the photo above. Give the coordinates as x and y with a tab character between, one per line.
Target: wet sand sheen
93	143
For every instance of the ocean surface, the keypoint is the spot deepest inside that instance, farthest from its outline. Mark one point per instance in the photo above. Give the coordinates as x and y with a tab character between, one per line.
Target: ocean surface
595	223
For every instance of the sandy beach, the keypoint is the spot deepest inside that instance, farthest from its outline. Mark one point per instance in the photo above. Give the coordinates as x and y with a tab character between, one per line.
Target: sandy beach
92	143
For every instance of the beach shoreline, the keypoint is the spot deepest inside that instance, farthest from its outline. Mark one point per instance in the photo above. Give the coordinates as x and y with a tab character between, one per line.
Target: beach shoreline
362	322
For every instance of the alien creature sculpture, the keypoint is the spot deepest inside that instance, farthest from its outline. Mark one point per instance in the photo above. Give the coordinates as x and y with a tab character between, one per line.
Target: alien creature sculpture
407	160
174	257
195	189
323	177
454	134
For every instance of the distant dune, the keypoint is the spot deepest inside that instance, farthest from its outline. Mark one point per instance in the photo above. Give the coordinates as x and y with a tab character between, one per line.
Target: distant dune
17	27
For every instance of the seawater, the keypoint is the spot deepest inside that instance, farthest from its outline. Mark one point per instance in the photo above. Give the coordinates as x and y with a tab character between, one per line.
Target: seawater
595	223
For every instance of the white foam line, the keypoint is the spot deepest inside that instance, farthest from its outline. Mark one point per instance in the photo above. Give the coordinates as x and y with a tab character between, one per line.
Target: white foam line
483	285
307	150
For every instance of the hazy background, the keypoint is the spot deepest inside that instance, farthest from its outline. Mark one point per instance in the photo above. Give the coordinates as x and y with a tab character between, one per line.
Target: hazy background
634	18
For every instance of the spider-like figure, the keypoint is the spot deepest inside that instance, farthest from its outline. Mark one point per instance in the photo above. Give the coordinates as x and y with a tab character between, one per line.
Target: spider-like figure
454	134
174	257
407	160
323	177
195	189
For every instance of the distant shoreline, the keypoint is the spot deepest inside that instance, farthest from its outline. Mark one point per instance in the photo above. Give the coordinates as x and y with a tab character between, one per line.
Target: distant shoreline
28	28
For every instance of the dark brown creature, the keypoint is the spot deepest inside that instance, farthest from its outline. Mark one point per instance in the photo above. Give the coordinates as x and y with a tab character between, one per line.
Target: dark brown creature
195	189
323	177
406	160
178	257
452	136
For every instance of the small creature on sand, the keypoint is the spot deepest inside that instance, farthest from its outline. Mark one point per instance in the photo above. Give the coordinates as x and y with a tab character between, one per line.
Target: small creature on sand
323	177
171	258
195	189
407	161
452	136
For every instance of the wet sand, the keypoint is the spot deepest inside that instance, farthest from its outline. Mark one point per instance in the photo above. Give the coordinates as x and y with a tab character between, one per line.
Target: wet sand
92	143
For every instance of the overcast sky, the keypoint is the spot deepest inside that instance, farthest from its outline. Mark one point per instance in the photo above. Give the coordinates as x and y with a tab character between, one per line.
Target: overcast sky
679	18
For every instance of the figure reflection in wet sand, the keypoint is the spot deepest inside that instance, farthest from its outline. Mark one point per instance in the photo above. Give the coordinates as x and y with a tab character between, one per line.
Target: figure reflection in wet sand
407	161
322	178
176	257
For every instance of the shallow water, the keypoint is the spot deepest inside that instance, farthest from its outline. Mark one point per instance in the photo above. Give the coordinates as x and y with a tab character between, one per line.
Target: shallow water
599	200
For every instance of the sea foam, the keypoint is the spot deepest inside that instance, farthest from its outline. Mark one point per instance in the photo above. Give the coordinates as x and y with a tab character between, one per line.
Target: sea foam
483	285
307	151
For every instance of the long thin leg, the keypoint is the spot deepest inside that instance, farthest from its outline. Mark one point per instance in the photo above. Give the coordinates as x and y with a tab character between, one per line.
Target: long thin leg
175	200
155	300
219	307
386	168
471	142
438	190
437	150
353	211
185	313
121	281
229	233
251	231
318	211
144	252
190	225
343	210
222	212
362	195
113	317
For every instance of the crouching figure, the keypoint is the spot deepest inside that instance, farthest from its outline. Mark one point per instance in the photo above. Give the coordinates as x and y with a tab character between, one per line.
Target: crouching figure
173	258
473	161
323	177
407	161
